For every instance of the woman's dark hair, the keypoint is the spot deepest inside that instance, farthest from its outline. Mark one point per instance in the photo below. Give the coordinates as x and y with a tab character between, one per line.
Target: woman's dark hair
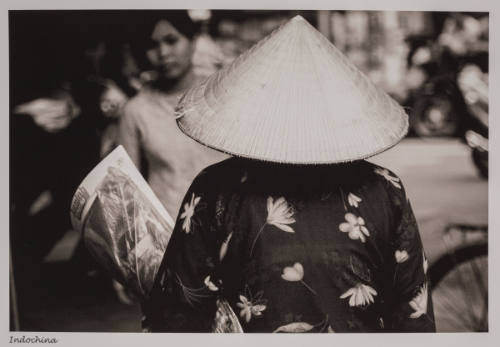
142	24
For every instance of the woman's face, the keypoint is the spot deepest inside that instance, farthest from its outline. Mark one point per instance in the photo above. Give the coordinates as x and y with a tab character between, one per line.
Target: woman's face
170	52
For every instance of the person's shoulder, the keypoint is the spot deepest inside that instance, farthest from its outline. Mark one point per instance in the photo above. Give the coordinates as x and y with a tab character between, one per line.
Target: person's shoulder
383	174
360	171
372	177
224	169
369	170
220	176
136	103
385	182
137	100
132	113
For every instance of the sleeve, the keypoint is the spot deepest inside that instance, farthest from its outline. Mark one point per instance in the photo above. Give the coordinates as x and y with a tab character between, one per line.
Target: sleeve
411	308
129	135
183	298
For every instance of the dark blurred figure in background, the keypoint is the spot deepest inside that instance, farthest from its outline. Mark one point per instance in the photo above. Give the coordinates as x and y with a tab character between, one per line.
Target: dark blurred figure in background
435	61
52	142
65	99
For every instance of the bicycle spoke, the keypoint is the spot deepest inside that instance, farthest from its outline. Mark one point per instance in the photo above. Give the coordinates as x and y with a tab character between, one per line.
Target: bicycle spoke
452	324
461	297
467	295
479	277
455	320
463	284
444	300
448	307
471	289
465	271
451	312
483	316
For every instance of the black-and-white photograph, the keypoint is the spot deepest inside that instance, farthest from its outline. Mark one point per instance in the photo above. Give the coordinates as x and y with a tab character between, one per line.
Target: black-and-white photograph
248	171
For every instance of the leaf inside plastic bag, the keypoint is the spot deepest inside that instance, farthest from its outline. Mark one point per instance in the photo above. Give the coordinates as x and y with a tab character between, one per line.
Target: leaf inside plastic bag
125	233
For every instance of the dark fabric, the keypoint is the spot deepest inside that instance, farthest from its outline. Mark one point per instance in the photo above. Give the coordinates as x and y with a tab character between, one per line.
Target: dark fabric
331	248
43	162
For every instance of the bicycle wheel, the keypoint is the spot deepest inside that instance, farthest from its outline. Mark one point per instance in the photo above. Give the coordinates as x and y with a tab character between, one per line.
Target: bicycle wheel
459	282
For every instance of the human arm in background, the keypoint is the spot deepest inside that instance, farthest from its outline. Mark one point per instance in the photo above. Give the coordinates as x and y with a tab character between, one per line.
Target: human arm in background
51	114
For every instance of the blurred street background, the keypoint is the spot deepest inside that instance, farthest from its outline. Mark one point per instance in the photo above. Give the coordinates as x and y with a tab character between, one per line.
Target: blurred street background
442	183
434	63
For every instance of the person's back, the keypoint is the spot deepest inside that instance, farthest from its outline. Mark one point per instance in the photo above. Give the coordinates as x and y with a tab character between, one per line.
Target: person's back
301	235
295	248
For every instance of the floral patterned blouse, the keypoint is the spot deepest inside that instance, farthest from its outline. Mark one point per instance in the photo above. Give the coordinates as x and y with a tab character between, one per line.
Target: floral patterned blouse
326	248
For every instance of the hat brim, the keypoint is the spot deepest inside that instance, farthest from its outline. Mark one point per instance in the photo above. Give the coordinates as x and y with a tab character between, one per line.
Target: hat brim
293	98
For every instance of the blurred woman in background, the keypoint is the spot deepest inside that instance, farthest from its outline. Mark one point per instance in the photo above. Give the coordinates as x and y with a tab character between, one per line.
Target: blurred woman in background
168	159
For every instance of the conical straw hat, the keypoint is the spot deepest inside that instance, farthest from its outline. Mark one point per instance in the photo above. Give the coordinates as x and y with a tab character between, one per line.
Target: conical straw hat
292	98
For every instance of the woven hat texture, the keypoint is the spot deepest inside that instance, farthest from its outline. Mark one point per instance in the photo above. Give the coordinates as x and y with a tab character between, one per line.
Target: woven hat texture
292	98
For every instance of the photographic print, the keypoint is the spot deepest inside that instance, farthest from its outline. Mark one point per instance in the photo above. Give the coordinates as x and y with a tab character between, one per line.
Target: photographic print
248	171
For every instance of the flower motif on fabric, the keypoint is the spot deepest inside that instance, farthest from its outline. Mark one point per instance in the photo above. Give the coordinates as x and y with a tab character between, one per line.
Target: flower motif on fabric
188	213
353	200
401	256
219	211
163	279
325	196
359	269
425	263
223	248
295	327
419	303
355	227
210	285
145	326
244	178
385	173
295	273
280	214
360	295
251	307
304	327
193	295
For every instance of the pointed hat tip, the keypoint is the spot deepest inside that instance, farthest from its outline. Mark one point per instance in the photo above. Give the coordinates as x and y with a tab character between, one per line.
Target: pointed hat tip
298	18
